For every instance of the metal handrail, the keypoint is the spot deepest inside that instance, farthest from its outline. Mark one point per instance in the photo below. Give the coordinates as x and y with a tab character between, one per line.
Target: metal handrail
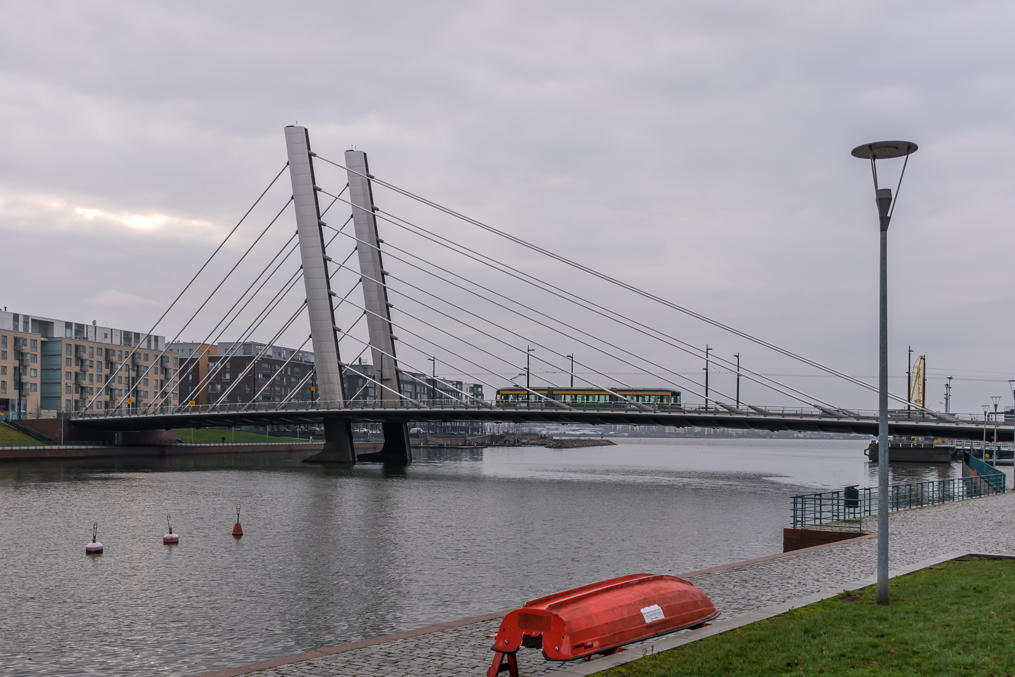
845	509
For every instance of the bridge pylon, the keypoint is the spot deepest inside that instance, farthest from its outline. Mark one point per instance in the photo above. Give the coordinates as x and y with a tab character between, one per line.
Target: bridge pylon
396	449
337	431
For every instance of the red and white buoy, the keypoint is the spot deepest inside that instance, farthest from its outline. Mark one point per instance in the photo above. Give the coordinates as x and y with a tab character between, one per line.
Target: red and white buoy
237	529
170	538
94	548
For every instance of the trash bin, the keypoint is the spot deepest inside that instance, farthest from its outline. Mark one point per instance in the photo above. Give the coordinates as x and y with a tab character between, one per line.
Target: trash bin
852	497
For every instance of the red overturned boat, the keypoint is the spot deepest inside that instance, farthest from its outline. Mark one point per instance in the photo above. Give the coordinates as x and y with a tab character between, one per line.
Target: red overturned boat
600	618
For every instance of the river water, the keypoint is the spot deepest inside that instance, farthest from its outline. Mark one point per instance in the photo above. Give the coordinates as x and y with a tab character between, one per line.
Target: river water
335	555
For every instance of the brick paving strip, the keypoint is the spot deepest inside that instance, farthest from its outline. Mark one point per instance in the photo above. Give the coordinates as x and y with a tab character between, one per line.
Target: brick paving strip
743	592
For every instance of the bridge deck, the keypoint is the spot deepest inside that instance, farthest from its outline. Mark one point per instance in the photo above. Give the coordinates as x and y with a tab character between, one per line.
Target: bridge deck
860	422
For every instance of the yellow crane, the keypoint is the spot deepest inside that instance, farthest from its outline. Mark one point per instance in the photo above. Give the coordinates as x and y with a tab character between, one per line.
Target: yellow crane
918	387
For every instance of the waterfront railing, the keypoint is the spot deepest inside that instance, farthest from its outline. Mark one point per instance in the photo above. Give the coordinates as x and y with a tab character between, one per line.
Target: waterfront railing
844	510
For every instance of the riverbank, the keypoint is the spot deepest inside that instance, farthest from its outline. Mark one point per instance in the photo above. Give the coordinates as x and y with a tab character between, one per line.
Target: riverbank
55	452
742	591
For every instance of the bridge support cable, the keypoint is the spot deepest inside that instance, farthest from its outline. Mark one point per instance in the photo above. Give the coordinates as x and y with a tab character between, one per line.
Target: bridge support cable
588	305
597	309
254	324
187	286
205	346
527	316
260	354
483	368
367	344
303	381
619	283
263	350
207	300
277	372
534	342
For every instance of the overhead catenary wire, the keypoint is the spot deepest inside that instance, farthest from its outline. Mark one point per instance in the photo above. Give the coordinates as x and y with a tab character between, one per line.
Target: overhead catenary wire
187	286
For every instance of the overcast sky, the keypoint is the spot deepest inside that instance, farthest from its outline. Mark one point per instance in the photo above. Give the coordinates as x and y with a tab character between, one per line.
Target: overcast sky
699	150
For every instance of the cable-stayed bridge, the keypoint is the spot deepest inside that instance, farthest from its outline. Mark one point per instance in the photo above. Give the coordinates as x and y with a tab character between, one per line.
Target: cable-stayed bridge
442	315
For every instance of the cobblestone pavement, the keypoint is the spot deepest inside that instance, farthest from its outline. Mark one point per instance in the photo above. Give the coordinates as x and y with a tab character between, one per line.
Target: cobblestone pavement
979	525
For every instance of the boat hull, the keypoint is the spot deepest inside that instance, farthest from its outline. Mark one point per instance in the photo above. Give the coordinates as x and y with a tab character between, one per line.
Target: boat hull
601	617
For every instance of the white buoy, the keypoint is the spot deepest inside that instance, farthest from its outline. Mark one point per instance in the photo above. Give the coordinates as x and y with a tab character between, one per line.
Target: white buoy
170	538
94	548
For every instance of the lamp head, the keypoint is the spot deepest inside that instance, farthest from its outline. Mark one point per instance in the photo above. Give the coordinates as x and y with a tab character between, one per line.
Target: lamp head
884	150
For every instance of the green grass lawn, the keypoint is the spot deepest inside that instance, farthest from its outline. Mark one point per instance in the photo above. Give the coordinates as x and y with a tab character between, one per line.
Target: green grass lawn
212	435
9	437
955	618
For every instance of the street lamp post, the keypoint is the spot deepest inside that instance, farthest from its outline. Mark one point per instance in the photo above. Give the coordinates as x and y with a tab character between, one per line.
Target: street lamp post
996	399
571	356
433	379
707	351
738	380
1011	384
983	446
948	396
883	150
909	378
528	356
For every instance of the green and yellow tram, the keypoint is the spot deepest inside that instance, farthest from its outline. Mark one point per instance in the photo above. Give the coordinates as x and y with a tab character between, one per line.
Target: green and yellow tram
588	398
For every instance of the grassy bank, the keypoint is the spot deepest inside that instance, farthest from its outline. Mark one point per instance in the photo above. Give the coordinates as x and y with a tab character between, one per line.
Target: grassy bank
214	436
9	437
952	618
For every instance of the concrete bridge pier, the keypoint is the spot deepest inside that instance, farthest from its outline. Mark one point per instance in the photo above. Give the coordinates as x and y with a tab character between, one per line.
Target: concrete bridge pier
396	449
337	443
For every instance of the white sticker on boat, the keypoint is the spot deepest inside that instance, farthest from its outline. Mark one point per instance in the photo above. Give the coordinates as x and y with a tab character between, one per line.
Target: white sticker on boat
652	613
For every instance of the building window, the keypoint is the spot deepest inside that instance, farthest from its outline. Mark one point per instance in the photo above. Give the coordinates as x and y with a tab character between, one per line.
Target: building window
3	354
33	372
33	358
66	389
33	387
3	370
91	378
68	349
91	351
3	386
3	341
67	375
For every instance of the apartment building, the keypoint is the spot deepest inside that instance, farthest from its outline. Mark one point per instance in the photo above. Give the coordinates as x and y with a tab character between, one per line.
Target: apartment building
65	366
237	373
20	375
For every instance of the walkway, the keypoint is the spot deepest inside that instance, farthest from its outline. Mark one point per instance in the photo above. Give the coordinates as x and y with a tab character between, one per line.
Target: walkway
979	525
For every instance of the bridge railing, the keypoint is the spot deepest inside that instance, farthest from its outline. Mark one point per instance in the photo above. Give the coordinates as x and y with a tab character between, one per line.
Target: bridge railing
447	404
844	510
